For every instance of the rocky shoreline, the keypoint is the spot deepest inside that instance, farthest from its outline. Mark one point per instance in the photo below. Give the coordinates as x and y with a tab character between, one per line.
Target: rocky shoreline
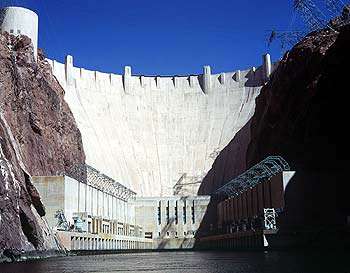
10	257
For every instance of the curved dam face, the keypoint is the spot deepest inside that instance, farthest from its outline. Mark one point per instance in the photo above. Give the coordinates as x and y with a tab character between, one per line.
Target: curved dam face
158	135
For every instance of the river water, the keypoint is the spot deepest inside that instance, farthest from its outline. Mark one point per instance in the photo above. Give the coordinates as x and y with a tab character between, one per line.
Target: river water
191	262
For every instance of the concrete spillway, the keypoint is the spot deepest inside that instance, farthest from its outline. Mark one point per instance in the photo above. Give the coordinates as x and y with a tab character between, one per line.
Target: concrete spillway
158	135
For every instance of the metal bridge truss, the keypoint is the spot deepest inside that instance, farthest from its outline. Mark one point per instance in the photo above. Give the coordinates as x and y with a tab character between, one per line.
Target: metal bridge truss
108	185
259	173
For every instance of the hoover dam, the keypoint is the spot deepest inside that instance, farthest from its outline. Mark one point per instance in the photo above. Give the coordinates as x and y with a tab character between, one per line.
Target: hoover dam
97	162
159	135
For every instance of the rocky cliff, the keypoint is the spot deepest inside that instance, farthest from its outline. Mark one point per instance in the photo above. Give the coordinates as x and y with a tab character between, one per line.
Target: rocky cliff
301	115
38	136
297	112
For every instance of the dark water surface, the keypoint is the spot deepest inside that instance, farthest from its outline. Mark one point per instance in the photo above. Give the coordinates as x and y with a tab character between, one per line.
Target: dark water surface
191	262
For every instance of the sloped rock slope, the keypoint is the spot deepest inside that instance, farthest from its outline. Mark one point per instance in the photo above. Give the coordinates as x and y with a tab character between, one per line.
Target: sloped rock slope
297	113
302	114
38	136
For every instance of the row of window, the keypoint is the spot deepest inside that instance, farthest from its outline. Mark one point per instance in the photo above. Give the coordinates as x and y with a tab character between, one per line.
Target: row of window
87	243
176	215
12	31
175	234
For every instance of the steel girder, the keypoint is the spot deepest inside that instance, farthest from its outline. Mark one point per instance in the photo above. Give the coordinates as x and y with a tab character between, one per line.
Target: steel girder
108	185
259	173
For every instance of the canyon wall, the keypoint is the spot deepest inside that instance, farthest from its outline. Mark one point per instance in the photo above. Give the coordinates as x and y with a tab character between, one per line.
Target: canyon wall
300	115
158	135
38	136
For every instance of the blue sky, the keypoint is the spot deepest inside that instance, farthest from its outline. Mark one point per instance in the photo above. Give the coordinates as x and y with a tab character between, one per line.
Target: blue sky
160	36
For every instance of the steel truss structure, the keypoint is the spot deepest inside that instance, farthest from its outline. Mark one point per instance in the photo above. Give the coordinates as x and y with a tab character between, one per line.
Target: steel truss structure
259	173
108	185
89	175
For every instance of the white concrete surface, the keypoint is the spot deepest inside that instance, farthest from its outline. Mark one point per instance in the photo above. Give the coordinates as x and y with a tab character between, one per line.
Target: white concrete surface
85	241
71	196
148	132
20	21
287	177
180	218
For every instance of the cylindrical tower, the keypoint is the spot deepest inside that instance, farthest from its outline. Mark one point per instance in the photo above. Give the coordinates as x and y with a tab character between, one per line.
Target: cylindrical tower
20	21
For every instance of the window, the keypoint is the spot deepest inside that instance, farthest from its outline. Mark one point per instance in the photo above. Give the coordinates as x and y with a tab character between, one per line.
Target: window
167	214
176	214
18	31
149	235
11	31
192	212
159	214
184	212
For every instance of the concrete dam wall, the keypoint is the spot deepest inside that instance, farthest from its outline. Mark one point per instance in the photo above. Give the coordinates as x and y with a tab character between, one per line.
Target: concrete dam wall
158	135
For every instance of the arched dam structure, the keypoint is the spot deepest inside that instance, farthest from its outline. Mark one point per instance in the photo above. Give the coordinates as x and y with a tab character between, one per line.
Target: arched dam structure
159	135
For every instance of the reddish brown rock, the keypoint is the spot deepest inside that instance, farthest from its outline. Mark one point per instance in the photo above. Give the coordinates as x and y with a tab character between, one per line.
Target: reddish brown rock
302	115
38	136
297	112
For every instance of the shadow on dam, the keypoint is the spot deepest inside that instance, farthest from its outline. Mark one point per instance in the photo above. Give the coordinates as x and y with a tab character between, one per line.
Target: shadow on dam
316	211
230	163
317	207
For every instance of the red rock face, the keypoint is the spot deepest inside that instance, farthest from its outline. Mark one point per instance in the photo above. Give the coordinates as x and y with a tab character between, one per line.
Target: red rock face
297	113
302	115
40	120
300	112
38	136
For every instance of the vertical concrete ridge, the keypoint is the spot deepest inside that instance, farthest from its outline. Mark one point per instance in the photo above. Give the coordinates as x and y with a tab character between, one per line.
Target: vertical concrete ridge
209	80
